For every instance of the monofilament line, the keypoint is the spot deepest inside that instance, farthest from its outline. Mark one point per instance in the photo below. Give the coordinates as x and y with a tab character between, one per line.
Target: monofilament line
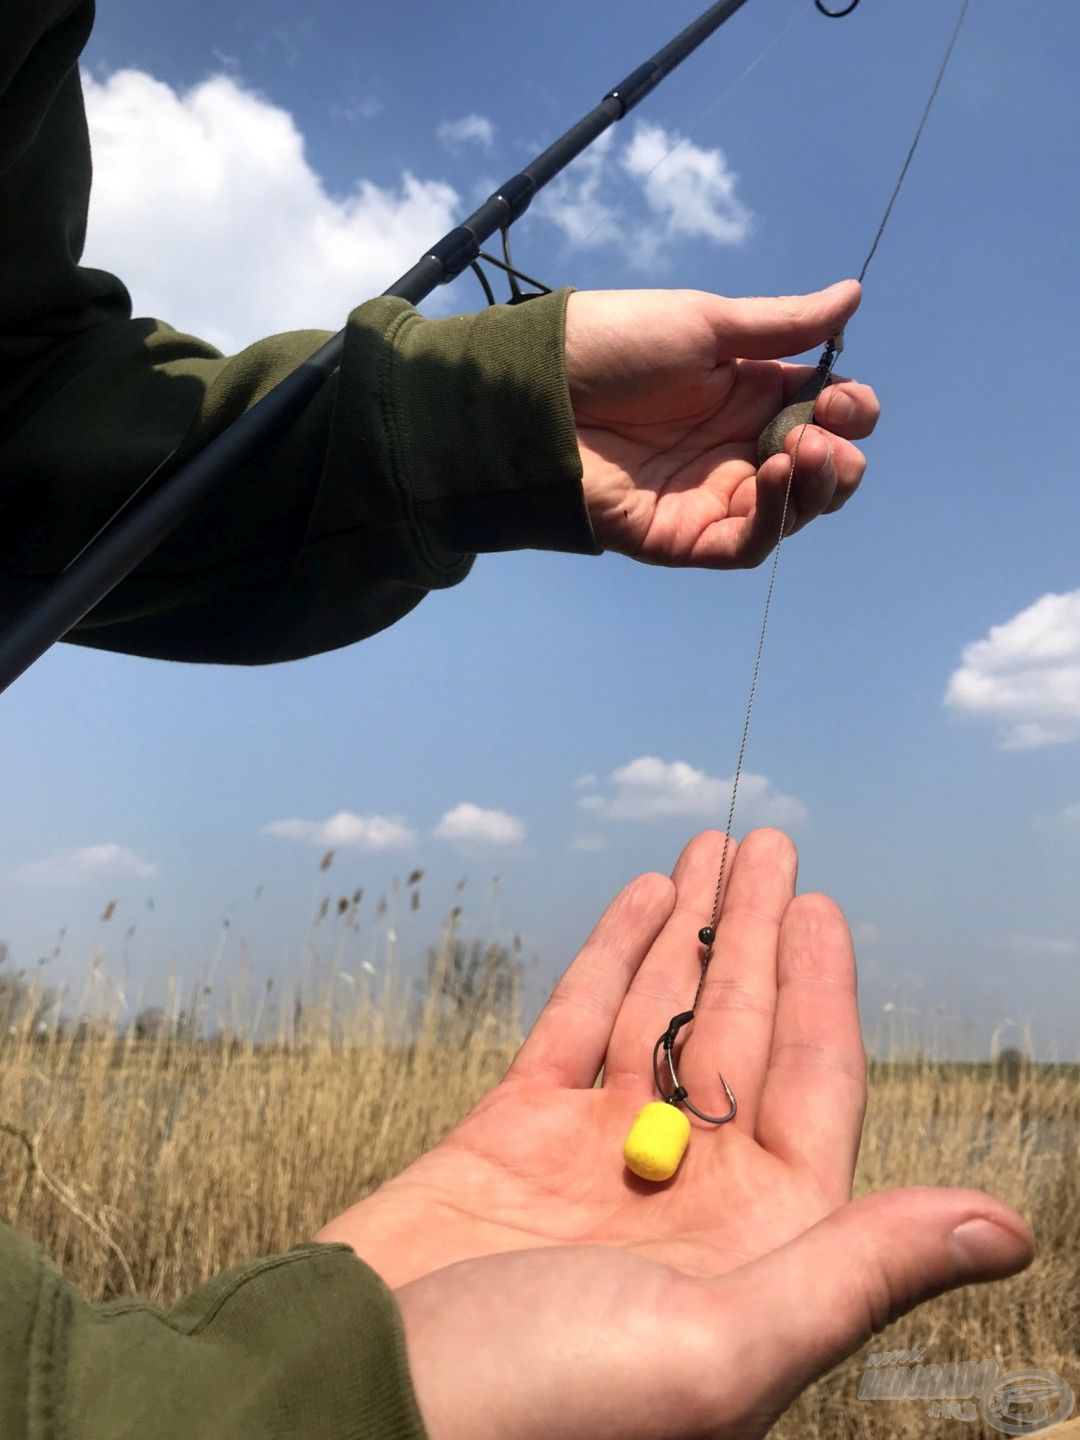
826	373
918	136
695	122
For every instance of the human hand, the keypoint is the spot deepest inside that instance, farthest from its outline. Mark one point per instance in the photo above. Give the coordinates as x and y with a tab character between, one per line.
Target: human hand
574	1342
538	1162
702	1307
670	390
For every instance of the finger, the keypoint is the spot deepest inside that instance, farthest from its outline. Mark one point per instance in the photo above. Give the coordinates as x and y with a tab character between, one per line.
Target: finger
828	471
665	983
848	409
849	462
813	487
814	480
733	1028
844	407
567	1044
798	1311
767	327
815	1092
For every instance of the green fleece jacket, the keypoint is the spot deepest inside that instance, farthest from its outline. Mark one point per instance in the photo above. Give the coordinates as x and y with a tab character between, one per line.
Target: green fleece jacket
302	1346
435	440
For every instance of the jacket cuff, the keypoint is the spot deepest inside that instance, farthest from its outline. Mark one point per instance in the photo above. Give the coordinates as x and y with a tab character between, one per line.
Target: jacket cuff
308	1343
480	434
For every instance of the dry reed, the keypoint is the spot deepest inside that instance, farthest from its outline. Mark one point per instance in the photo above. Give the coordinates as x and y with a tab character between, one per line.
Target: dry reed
155	1162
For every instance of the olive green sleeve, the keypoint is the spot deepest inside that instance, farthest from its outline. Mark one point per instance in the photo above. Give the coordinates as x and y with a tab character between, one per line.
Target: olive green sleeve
436	439
302	1346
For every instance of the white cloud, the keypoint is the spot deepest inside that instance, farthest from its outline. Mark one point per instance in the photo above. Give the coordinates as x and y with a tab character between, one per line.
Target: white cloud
346	831
223	57
1071	812
474	129
470	824
205	204
364	108
1025	674
691	190
92	862
572	203
588	844
866	933
286	37
690	194
586	782
649	788
1037	946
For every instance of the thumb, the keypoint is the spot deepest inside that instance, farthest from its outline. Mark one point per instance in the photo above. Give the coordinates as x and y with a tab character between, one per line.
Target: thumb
769	326
808	1305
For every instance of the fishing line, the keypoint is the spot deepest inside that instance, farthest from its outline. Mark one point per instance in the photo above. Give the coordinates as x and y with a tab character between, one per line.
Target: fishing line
918	136
791	472
696	121
657	1141
507	266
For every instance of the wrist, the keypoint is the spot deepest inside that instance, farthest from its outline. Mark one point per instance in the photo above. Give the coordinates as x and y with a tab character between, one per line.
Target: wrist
477	427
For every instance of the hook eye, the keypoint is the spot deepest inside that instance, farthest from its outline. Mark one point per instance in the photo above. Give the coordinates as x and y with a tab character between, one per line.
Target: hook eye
836	14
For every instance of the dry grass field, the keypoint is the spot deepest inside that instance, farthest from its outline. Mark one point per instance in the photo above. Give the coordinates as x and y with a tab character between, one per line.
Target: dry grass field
147	1164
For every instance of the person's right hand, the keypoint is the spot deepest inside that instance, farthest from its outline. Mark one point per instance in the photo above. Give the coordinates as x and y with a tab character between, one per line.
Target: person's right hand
576	1342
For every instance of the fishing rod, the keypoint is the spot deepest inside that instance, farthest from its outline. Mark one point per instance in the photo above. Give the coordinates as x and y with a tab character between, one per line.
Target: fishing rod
162	501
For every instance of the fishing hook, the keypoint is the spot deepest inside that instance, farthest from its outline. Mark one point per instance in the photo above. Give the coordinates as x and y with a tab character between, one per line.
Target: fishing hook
836	14
678	1095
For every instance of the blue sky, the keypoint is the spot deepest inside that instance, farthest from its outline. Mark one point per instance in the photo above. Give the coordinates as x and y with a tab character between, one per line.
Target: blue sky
950	832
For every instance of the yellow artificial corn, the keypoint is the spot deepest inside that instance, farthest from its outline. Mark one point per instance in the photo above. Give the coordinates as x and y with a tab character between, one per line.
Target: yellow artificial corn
657	1141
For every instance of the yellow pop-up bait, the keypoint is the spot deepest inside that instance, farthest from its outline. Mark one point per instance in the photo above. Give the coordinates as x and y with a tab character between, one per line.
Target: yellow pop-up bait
657	1141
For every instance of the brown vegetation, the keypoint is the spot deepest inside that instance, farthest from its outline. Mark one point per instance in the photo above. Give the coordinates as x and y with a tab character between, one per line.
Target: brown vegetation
147	1158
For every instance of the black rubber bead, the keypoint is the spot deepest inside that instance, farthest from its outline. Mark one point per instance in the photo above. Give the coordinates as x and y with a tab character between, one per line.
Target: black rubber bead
706	935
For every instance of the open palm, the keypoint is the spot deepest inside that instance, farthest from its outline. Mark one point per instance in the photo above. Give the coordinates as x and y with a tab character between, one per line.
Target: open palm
538	1161
670	390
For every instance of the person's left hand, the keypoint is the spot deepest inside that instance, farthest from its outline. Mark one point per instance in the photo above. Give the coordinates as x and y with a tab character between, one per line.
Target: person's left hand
670	390
538	1161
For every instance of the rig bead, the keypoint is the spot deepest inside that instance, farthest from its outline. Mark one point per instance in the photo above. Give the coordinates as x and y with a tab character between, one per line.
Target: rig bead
706	935
657	1141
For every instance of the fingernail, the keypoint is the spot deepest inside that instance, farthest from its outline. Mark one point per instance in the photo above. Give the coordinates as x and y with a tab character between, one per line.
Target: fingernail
841	408
826	466
984	1249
